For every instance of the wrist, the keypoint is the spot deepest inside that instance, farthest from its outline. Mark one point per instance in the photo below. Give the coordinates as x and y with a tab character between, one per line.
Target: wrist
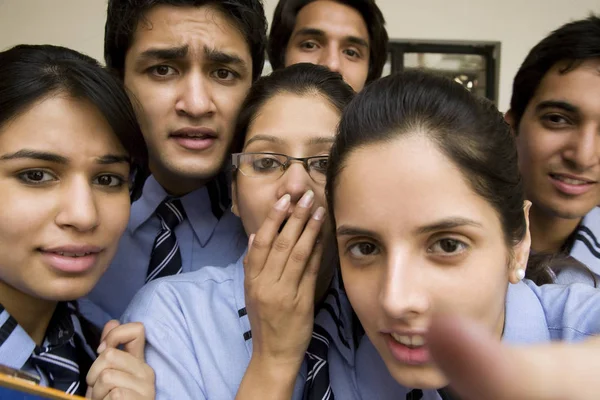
268	378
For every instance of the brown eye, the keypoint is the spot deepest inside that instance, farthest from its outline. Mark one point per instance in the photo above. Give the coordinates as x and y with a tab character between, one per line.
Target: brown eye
224	74
109	180
36	176
362	249
448	247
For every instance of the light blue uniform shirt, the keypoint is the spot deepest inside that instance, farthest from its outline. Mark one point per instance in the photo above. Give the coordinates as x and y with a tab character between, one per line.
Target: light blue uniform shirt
211	235
198	336
586	250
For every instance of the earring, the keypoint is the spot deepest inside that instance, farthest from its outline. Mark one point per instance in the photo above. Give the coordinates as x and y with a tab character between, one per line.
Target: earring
520	274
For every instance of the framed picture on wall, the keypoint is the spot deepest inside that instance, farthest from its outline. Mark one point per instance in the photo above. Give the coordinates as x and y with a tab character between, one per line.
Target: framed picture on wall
473	64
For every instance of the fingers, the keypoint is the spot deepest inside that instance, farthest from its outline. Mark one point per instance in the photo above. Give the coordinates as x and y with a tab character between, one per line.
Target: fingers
479	366
118	384
131	336
110	325
293	247
260	248
117	373
308	281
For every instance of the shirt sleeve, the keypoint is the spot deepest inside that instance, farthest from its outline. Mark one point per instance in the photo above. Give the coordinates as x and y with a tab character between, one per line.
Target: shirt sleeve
572	311
169	347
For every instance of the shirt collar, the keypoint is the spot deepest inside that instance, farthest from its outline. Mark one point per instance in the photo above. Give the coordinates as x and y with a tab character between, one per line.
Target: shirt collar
586	246
204	206
16	346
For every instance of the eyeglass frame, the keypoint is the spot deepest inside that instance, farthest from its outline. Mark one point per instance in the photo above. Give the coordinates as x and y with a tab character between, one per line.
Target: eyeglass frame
235	161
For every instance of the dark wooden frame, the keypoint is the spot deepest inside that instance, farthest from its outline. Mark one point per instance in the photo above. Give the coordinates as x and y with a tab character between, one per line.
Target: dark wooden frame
489	50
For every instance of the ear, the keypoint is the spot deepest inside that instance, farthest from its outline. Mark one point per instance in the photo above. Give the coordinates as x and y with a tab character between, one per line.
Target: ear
234	202
521	250
509	117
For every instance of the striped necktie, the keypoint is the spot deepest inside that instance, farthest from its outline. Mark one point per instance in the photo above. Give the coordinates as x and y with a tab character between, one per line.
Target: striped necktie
318	386
59	358
166	257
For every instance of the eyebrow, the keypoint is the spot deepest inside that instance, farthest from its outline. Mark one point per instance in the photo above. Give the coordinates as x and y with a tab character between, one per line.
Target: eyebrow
171	53
58	159
320	33
222	57
449	223
345	230
273	139
557	104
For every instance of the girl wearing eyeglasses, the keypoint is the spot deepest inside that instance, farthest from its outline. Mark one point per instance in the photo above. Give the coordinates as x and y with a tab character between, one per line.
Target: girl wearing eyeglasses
198	325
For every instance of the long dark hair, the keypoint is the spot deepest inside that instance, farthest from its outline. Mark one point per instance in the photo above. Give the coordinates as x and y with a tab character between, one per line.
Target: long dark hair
29	73
469	130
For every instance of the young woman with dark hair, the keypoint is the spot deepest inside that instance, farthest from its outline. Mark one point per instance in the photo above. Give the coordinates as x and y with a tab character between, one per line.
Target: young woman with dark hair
428	210
72	158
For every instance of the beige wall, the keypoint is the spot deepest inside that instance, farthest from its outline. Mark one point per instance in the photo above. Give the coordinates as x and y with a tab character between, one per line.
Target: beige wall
518	24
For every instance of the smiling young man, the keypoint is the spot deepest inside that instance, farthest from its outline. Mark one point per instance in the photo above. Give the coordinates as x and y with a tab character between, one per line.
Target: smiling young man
555	113
187	65
345	36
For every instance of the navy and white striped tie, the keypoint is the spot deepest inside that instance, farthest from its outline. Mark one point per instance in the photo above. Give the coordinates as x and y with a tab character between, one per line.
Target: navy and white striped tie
166	257
59	365
318	386
62	359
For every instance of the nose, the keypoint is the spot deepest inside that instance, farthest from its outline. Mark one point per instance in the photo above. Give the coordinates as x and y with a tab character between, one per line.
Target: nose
402	294
194	96
295	181
583	151
78	209
331	59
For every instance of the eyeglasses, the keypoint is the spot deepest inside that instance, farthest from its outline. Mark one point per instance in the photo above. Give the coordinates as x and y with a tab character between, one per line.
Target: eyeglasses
274	165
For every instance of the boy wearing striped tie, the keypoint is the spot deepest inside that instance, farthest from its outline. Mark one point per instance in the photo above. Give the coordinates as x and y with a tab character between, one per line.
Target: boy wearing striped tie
187	66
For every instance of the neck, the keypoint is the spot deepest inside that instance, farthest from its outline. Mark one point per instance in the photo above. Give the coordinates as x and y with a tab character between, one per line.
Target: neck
177	185
548	232
33	314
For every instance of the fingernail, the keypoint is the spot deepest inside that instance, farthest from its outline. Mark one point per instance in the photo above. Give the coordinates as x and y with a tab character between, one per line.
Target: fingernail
251	240
307	199
101	348
318	215
283	202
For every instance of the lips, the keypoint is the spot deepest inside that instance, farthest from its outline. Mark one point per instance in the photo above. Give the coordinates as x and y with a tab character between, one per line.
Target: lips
194	139
71	258
572	179
410	341
409	349
195	133
571	185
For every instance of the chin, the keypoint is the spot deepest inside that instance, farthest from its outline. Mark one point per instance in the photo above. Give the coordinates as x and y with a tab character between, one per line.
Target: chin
420	377
66	290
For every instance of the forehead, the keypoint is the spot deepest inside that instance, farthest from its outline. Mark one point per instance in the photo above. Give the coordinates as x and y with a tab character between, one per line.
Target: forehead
165	26
579	86
333	18
295	119
61	124
402	184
